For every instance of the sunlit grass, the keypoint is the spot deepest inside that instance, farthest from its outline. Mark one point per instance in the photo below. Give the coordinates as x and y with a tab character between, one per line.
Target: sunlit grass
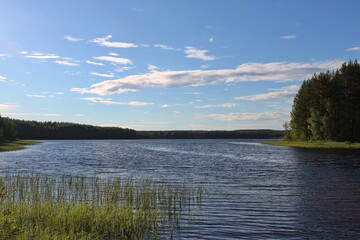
315	144
15	145
34	207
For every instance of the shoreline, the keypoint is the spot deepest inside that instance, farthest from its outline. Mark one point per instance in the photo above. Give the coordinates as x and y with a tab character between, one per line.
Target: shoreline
315	144
15	145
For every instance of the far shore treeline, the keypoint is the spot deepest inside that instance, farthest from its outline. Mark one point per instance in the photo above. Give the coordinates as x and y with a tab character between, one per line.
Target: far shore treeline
327	107
11	129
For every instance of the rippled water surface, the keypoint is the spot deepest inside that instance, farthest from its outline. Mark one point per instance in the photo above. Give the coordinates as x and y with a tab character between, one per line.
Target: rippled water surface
252	191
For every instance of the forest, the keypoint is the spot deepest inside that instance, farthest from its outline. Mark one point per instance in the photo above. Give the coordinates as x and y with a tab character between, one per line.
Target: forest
11	129
327	107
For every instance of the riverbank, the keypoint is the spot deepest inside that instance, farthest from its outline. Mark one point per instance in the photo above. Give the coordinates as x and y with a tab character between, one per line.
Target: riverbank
15	145
316	144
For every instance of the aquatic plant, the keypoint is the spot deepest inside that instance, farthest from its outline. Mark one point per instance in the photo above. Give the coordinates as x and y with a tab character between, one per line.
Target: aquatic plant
67	207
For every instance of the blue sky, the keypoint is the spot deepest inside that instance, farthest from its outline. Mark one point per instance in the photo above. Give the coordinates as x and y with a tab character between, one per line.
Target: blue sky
161	65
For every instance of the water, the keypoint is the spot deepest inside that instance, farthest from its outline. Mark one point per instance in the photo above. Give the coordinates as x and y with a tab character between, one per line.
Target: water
252	191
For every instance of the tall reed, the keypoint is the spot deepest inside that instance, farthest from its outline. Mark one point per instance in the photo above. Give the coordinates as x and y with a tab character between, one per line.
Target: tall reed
67	207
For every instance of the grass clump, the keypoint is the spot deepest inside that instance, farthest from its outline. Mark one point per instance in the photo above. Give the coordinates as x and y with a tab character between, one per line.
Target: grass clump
6	146
314	144
35	207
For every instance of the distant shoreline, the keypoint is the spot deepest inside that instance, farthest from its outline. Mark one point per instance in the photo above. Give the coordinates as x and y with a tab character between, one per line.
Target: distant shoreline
315	144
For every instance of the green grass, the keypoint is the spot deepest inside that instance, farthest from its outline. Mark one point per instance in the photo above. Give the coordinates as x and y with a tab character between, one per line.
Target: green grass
315	144
15	145
38	207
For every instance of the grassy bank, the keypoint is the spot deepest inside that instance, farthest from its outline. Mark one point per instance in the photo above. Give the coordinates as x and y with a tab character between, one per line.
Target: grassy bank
33	207
15	145
316	144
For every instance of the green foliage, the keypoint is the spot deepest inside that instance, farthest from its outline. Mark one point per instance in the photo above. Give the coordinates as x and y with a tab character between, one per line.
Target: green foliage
64	207
7	132
327	106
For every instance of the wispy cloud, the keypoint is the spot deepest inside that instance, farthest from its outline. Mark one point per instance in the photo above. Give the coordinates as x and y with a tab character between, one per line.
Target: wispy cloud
353	49
114	60
113	54
211	39
108	101
248	116
164	47
73	39
40	55
36	96
3	55
103	42
102	74
9	106
67	63
192	93
152	67
165	106
275	71
123	69
94	63
199	54
224	105
284	92
2	78
288	37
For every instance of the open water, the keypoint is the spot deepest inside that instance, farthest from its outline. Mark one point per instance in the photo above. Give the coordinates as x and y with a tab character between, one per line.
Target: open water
252	191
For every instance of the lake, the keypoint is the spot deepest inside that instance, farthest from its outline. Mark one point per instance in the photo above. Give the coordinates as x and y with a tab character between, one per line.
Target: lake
252	191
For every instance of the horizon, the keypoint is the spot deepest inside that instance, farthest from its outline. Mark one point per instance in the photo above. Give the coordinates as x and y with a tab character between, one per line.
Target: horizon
168	66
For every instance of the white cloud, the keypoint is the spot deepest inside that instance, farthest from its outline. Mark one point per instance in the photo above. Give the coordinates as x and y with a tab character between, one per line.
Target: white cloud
165	47
103	42
204	66
165	106
66	63
42	55
224	105
113	54
275	71
94	63
353	49
152	67
108	101
59	93
3	55
288	37
123	69
199	54
2	78
211	39
284	92
33	114
36	96
73	39
102	74
23	52
114	60
8	106
248	116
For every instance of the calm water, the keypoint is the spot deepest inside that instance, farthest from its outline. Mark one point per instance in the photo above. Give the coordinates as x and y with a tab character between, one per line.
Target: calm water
252	191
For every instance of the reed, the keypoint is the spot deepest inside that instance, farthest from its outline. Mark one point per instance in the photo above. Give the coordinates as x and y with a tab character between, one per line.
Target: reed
66	207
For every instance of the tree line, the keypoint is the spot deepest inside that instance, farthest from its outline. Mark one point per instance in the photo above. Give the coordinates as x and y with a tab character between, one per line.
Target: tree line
11	129
327	107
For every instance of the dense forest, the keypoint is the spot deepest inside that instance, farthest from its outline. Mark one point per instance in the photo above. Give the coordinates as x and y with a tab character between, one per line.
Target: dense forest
327	107
261	133
11	129
7	132
62	130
